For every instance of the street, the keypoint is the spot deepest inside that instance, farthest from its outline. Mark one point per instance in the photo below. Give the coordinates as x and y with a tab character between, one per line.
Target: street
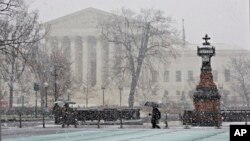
115	133
103	134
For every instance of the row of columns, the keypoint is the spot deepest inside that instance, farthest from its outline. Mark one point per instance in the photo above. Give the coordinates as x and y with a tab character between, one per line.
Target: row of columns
90	56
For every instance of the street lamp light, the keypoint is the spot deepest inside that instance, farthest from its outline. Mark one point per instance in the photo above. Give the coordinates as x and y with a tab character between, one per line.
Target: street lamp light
46	94
120	88
46	102
103	88
36	88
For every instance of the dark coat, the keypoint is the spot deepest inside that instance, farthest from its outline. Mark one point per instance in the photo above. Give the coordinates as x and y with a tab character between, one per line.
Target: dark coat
156	115
56	109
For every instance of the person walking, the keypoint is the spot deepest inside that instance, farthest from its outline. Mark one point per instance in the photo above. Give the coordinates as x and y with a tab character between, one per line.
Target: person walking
57	113
156	116
66	114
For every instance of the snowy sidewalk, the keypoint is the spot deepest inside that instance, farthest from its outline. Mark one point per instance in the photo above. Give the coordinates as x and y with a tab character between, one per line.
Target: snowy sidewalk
104	134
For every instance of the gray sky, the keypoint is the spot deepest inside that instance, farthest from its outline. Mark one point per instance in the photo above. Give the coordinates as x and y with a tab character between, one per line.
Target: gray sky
226	21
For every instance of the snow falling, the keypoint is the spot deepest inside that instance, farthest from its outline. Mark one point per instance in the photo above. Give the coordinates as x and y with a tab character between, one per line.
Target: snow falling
121	71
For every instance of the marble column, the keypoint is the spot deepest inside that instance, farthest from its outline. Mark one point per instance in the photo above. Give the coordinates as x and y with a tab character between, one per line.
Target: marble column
99	69
78	58
111	58
92	60
72	56
59	43
54	42
66	47
105	61
85	59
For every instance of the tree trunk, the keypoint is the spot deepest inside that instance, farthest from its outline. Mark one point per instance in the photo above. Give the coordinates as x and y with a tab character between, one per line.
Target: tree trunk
11	85
248	103
132	92
135	78
11	96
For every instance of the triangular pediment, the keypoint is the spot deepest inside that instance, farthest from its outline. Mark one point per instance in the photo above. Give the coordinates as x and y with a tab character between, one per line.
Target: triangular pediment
84	20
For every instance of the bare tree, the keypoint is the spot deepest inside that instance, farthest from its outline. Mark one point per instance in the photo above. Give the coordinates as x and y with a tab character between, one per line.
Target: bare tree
88	89
1	89
240	77
15	25
7	7
144	37
39	65
18	37
25	85
60	73
147	83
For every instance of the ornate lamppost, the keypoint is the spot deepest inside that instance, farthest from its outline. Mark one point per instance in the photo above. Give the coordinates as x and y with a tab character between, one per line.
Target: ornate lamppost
36	88
46	102
46	85
206	97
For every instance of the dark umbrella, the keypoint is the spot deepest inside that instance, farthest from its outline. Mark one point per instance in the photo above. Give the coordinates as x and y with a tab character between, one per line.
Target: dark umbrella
151	104
64	102
59	102
70	102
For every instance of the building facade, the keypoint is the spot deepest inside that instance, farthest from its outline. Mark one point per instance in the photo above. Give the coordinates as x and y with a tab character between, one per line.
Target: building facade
92	59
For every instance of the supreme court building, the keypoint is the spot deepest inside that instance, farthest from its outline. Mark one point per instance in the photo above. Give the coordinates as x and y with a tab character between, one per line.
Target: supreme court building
92	58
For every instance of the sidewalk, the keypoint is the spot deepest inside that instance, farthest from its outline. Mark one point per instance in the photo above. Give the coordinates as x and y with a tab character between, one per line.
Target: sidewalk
126	134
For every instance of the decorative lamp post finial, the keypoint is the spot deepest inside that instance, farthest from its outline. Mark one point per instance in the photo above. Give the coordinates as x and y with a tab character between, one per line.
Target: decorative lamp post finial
206	38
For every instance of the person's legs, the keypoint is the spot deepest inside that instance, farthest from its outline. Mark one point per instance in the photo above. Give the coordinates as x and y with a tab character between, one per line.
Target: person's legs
157	126
153	124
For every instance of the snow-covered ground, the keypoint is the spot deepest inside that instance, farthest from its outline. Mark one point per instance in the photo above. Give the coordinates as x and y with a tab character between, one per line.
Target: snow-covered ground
107	134
175	132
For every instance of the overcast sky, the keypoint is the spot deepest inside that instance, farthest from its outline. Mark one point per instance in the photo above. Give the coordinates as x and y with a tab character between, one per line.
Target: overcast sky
226	21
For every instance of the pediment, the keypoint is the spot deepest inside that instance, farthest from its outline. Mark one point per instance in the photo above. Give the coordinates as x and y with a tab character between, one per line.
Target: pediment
86	19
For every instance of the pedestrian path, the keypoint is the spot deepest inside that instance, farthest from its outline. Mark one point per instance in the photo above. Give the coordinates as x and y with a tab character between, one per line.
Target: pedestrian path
201	134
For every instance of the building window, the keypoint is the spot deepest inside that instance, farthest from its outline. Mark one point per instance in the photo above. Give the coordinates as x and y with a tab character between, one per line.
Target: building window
165	92
227	75
166	76
178	93
165	97
178	76
215	75
190	76
154	76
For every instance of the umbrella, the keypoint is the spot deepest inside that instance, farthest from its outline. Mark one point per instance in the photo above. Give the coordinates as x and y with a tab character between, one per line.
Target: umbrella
64	102
59	102
151	104
69	102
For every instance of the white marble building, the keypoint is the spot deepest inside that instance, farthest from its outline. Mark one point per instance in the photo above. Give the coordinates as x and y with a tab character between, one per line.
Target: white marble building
78	35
